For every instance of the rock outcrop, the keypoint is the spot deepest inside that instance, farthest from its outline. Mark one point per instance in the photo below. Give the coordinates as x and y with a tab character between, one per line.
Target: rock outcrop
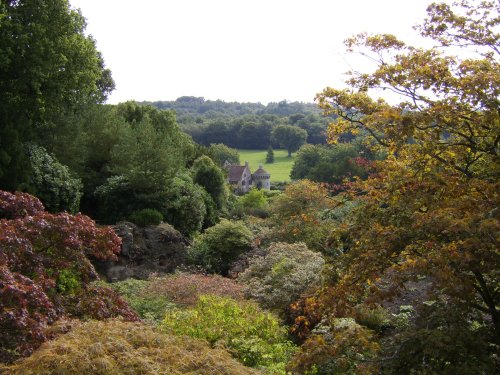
153	249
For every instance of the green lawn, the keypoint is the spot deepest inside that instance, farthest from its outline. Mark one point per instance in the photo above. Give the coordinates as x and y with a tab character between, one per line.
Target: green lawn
279	170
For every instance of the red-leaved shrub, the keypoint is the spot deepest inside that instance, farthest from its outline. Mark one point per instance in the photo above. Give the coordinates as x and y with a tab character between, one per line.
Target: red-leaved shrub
13	206
45	272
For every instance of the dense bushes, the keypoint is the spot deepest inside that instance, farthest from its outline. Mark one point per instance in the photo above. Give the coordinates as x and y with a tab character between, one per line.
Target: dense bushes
331	164
251	335
208	175
220	245
116	347
45	272
152	298
184	205
340	347
184	289
53	183
130	154
297	215
146	216
180	201
252	203
279	277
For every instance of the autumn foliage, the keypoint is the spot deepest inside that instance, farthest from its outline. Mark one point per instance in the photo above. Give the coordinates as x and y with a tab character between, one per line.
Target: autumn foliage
296	214
45	271
427	222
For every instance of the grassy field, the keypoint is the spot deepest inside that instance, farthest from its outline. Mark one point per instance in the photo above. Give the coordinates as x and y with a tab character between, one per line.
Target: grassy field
279	170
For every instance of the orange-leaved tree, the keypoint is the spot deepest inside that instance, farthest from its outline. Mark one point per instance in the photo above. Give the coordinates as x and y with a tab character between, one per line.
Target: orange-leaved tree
428	219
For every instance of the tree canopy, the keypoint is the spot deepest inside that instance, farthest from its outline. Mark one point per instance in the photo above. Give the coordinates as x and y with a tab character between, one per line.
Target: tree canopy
48	67
289	137
429	216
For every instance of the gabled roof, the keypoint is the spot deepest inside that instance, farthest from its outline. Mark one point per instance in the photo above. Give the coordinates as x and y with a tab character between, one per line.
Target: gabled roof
235	172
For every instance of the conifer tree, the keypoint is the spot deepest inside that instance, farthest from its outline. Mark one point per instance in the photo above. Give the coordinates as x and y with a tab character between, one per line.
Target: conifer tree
270	155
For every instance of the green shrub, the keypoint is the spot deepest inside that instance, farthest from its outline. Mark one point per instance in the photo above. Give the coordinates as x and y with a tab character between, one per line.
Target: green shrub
183	205
255	198
53	183
68	281
148	305
279	277
146	216
208	175
253	336
220	245
253	203
116	347
115	200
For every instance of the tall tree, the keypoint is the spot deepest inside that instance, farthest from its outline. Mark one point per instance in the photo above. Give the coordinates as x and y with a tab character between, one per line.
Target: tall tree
430	215
270	155
48	67
208	175
152	150
289	137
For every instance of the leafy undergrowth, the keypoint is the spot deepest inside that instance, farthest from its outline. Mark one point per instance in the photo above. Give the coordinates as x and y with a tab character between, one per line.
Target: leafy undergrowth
253	336
116	347
149	306
185	289
152	298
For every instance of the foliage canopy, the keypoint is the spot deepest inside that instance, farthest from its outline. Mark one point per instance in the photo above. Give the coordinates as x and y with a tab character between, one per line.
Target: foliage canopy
48	67
433	205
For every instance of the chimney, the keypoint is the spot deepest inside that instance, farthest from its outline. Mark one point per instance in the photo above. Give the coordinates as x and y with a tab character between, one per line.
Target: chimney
246	164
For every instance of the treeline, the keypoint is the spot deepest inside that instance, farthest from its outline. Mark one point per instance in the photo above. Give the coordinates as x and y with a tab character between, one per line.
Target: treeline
243	125
196	109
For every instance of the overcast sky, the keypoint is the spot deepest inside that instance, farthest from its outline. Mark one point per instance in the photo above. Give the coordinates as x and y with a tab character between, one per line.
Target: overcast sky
237	50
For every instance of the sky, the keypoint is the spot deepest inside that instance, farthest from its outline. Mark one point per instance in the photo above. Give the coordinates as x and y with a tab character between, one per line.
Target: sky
237	50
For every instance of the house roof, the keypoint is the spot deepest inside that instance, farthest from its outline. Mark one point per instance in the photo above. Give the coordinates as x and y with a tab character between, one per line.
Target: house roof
235	172
261	171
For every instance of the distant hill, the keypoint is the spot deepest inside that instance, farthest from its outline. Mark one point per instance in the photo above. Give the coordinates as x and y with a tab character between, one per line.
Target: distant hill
243	125
196	106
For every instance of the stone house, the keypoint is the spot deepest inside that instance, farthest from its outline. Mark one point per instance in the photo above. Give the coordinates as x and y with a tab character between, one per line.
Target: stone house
242	179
